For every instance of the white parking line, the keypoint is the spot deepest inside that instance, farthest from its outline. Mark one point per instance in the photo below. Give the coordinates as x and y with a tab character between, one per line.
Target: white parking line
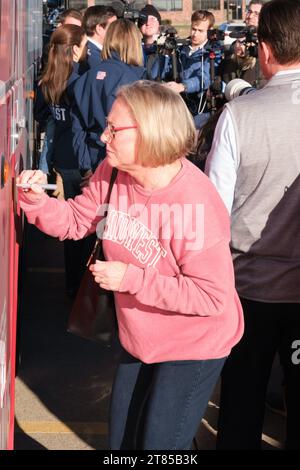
56	427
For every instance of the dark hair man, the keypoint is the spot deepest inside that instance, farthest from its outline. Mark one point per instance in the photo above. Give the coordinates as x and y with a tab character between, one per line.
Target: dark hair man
255	163
96	20
195	65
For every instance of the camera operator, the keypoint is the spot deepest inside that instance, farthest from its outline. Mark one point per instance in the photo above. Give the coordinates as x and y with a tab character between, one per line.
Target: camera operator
194	67
255	163
149	25
95	23
243	61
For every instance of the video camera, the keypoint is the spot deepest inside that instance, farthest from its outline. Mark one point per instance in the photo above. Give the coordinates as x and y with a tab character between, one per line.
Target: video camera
168	41
215	35
169	44
125	9
249	36
214	47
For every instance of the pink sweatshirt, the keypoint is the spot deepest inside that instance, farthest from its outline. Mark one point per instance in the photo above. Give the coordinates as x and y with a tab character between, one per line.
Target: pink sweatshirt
177	300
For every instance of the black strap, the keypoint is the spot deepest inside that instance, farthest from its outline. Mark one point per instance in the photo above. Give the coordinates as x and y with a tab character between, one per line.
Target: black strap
113	178
98	243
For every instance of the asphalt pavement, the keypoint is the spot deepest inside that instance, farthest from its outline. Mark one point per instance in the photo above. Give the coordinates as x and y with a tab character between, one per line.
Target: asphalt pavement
64	382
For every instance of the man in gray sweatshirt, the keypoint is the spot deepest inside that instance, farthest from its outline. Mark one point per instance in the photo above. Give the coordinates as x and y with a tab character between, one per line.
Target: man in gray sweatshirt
255	165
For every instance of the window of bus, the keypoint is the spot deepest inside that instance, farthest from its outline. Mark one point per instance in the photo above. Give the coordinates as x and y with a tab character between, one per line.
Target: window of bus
206	5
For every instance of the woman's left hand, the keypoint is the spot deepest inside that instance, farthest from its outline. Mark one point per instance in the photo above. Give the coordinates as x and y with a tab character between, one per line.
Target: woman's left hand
108	274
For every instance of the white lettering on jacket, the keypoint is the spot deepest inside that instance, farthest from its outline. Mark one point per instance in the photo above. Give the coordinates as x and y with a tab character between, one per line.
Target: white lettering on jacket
133	235
59	113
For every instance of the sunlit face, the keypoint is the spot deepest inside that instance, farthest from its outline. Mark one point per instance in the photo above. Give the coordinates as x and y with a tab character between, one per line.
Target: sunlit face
252	14
199	32
151	28
121	148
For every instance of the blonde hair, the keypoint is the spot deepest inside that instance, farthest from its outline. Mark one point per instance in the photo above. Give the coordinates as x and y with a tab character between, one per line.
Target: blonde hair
123	37
165	126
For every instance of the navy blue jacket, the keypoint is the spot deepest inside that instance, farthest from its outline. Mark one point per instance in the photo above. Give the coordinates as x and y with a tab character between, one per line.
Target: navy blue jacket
156	64
93	55
94	93
64	155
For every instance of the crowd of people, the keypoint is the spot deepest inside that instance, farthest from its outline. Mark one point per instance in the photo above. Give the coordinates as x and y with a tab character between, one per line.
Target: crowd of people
204	268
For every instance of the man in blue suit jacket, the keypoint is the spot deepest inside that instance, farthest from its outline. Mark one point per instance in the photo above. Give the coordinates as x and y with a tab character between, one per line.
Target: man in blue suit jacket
95	22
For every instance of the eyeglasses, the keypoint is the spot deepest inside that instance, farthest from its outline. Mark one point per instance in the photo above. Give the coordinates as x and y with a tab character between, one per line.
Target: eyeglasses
111	130
251	12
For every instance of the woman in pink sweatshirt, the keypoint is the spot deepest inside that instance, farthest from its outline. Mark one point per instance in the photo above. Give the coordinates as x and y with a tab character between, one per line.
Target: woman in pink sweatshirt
166	242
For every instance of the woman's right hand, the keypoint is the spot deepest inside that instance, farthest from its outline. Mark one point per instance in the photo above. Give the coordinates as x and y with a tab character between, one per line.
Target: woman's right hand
34	178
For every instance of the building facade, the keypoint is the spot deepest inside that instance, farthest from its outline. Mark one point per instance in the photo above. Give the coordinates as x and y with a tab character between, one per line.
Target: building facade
179	12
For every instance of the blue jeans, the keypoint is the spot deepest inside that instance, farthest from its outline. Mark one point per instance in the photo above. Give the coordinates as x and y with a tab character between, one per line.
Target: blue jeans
160	406
46	157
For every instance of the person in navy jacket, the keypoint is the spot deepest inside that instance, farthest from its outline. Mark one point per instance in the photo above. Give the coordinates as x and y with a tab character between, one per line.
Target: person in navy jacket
96	90
155	62
55	91
55	98
69	16
96	20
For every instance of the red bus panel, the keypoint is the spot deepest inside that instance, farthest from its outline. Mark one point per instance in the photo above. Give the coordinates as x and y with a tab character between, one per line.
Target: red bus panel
20	48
